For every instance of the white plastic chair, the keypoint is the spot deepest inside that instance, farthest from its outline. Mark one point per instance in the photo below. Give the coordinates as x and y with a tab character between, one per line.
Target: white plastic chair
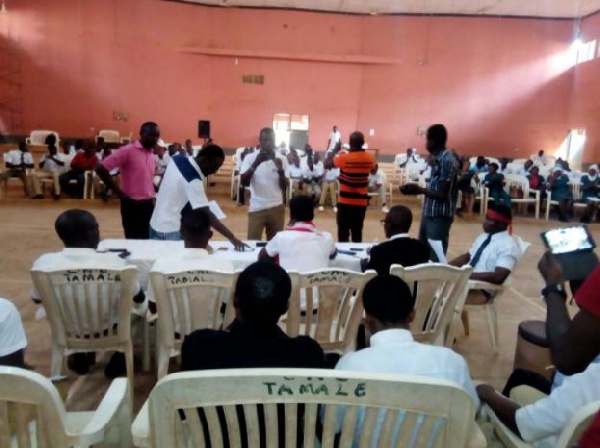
569	436
361	408
89	310
38	137
550	202
521	183
188	301
498	290
438	289
109	135
333	308
32	414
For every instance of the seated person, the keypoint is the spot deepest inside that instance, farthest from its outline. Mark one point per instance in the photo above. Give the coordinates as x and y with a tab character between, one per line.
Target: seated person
410	158
318	171
493	254
526	168
300	246
503	168
296	179
79	232
494	181
464	185
12	336
590	187
196	233
558	185
376	185
536	180
51	165
542	421
481	165
253	339
83	161
400	247
392	348
18	161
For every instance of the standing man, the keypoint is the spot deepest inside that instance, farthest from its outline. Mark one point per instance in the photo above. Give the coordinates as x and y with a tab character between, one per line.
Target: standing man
440	195
267	174
335	137
137	164
355	167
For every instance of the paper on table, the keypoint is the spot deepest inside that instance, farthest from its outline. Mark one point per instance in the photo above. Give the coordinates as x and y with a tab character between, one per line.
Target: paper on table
438	249
216	210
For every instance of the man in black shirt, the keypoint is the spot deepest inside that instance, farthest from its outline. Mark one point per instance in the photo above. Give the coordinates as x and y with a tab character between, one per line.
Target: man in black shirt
253	339
401	248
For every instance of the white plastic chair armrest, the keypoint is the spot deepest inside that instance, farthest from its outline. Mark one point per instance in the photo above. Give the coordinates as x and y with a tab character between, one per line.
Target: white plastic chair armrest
114	399
478	284
508	438
140	429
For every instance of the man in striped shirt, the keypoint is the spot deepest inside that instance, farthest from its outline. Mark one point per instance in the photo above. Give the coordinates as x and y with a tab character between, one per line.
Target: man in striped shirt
355	167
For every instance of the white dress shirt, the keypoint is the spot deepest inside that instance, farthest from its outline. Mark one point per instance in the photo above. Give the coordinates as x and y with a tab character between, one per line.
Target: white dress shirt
12	334
540	423
331	175
264	184
502	252
334	137
16	157
296	172
161	164
318	170
185	261
50	166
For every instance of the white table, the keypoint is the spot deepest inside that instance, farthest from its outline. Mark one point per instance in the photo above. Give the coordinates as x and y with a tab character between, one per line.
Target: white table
145	252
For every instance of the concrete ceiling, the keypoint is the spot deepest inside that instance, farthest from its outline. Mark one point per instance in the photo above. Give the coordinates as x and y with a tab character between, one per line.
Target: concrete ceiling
522	8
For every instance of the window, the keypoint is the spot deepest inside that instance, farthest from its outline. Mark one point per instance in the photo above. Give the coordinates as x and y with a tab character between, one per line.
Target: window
586	51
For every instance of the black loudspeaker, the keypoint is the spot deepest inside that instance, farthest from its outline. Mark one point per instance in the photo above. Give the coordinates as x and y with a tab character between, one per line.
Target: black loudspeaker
203	129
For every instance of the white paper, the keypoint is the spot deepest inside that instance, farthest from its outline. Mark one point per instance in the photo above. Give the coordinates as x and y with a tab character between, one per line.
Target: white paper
438	249
216	210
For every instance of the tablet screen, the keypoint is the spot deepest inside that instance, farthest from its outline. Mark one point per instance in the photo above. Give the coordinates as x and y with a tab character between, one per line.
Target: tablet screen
568	239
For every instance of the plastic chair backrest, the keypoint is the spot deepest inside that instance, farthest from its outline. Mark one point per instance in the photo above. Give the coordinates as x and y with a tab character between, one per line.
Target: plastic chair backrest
31	411
333	307
38	137
368	409
110	135
438	288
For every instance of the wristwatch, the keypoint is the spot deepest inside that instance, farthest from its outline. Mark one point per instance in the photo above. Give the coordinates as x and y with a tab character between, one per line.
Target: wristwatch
558	289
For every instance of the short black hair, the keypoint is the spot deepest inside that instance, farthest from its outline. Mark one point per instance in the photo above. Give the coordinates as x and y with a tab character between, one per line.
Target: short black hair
72	224
388	299
147	125
212	152
356	140
50	140
501	209
437	133
195	220
78	143
494	164
262	293
302	208
400	216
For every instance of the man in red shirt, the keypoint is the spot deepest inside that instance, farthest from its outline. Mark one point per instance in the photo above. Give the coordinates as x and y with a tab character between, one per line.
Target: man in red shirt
83	161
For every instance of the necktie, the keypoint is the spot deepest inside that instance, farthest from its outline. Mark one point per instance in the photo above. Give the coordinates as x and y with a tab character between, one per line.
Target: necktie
22	158
479	252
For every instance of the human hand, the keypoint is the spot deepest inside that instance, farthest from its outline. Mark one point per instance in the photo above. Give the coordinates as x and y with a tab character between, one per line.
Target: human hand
484	391
260	158
551	270
238	245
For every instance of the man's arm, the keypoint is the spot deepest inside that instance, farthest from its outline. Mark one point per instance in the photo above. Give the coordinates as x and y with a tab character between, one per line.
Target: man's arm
249	172
108	180
461	260
504	408
216	224
497	277
264	256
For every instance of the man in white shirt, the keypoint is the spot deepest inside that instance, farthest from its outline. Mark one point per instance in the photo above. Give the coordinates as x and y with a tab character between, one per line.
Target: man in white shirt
335	136
79	231
267	174
12	336
389	311
526	168
297	172
494	253
300	247
162	160
540	423
313	171
182	188
196	233
539	159
410	158
376	185
52	165
17	162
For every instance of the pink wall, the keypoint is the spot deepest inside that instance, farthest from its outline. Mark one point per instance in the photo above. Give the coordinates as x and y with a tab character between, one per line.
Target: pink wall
494	82
586	98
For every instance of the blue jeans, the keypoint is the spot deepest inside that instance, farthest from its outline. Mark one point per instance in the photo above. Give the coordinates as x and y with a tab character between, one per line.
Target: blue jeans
165	236
435	228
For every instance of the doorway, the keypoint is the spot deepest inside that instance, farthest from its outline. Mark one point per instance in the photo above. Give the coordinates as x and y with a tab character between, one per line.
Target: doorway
291	130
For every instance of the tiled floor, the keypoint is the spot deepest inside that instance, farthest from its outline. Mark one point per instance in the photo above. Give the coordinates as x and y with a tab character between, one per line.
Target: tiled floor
27	230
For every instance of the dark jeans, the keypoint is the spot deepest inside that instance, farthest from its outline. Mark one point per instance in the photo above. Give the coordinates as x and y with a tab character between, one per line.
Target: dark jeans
350	220
135	216
65	179
437	228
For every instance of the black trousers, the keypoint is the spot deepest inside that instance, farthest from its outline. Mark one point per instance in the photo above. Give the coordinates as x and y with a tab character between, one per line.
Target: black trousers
522	377
135	216
350	220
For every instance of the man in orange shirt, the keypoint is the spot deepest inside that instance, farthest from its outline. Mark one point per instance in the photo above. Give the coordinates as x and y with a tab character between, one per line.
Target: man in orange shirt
355	167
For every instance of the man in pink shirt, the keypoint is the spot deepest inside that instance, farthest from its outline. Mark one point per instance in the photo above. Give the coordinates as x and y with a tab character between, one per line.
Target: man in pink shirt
137	165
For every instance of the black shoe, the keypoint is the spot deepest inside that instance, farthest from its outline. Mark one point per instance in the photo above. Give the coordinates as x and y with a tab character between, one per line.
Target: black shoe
116	366
56	197
80	363
38	196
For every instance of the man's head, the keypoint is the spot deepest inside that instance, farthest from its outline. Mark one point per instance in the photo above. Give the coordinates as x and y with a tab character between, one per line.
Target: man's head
527	165
78	228
266	139
23	146
497	219
375	169
493	168
335	128
52	150
262	292
50	140
149	135
541	153
357	140
302	209
89	150
100	142
436	138
210	159
397	220
78	144
409	152
160	150
195	228
388	303
188	143
534	170
503	162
